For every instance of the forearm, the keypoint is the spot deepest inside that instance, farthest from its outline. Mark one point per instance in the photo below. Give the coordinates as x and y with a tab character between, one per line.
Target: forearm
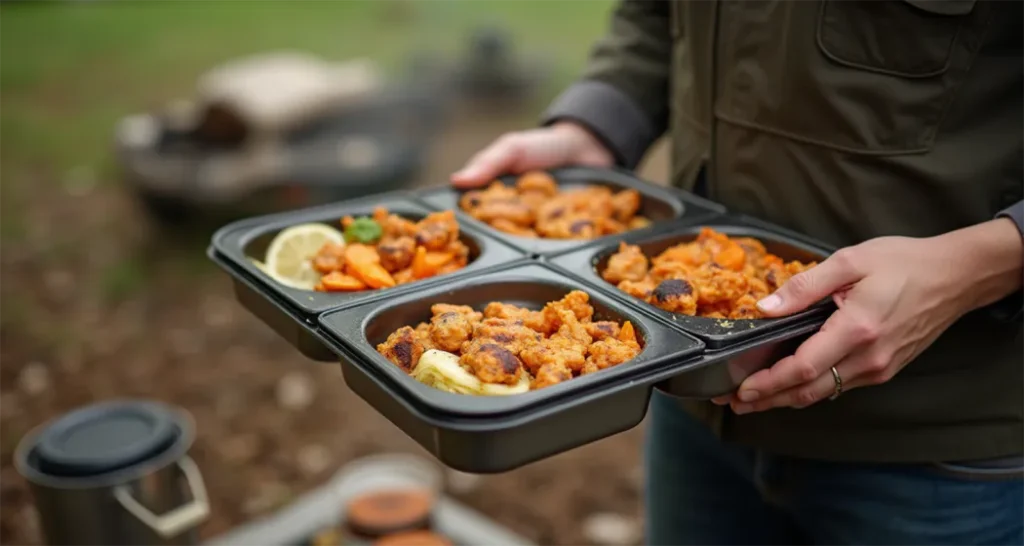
989	258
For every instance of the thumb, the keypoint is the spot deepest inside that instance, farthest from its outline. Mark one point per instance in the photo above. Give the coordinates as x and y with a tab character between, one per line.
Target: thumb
809	287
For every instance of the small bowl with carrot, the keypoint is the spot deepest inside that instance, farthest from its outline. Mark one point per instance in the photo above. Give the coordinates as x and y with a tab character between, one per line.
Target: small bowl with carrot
368	252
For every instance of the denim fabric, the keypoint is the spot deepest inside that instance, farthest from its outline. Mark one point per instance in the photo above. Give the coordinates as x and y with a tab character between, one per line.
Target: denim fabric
702	491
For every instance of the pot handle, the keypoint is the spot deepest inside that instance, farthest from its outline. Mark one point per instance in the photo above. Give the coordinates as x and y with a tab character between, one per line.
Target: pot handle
178	520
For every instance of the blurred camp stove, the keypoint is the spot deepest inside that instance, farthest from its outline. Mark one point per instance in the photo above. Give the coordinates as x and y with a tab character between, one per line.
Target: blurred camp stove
277	131
490	68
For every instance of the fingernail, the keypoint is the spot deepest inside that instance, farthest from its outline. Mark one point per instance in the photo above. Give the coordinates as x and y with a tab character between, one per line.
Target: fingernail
720	401
749	395
770	303
740	409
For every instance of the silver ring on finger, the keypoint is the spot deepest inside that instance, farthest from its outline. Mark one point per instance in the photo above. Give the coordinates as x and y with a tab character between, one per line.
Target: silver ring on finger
838	389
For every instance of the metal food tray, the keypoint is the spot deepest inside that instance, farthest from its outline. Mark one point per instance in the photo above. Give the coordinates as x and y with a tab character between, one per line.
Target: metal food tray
685	356
292	312
659	204
735	348
497	433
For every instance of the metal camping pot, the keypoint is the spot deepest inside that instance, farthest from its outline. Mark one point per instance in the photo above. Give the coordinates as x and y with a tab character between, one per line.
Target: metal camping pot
115	473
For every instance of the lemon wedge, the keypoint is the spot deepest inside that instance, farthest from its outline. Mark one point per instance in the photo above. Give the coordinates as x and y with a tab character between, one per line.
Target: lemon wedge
289	258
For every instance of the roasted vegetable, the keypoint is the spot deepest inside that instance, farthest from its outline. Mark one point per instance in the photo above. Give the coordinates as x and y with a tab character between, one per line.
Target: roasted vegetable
363	230
442	371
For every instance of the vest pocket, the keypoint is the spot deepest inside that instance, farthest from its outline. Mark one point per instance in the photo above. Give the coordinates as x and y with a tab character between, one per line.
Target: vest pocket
905	38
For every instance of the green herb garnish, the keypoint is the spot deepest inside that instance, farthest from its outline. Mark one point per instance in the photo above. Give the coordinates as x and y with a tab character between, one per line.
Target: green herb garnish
363	230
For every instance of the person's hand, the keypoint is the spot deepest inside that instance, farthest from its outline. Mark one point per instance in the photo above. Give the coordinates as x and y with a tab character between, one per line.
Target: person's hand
895	296
561	144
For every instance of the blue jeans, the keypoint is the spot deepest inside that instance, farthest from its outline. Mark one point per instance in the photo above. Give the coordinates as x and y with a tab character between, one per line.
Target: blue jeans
703	491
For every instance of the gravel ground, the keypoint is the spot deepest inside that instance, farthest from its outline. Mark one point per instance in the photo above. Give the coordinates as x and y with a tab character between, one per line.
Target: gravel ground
94	310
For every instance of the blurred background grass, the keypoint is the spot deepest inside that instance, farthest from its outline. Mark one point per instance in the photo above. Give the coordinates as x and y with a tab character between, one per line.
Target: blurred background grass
95	303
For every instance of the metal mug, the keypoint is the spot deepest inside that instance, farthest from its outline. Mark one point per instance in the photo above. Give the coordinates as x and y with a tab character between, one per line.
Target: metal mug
115	473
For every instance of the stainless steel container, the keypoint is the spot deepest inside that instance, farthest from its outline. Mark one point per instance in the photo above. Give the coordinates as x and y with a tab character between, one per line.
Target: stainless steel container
115	473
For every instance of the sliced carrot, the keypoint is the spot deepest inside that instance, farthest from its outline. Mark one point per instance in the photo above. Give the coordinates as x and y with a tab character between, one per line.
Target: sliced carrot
339	282
347	221
427	264
732	257
357	254
627	334
373	275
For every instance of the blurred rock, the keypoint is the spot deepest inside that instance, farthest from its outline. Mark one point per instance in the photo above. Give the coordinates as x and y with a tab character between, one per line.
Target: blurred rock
268	496
295	391
9	404
240	449
462	483
313	459
611	529
34	379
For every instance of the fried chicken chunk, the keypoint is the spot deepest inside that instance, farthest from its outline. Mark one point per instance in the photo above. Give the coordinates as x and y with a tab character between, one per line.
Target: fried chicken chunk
396	254
554	350
511	334
493	363
536	206
450	330
403	348
531	319
712	276
437	230
469	312
550	374
628	264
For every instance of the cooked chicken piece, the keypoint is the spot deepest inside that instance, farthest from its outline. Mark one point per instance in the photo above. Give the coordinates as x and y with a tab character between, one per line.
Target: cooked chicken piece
675	296
745	307
513	211
726	276
507	226
531	319
437	230
550	374
331	257
628	264
396	254
638	222
626	203
569	226
554	350
450	330
638	289
423	334
714	285
602	329
509	333
577	301
403	348
571	329
611	352
469	312
537	181
493	363
392	225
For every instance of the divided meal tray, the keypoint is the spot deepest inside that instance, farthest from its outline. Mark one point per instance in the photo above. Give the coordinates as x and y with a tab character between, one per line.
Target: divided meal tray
684	356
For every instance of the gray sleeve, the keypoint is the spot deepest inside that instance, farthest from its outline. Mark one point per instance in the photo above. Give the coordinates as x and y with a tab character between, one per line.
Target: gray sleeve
1012	307
610	115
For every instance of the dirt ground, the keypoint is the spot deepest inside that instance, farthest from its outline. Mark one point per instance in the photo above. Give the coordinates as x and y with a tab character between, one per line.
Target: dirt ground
271	424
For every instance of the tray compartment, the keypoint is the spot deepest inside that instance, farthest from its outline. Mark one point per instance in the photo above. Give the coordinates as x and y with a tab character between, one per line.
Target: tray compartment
359	329
658	203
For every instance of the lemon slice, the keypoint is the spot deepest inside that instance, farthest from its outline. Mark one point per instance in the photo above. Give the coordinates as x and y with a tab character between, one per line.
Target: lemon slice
289	258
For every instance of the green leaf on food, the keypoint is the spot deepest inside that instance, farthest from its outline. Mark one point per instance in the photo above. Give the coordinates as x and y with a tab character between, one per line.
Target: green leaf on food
363	230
